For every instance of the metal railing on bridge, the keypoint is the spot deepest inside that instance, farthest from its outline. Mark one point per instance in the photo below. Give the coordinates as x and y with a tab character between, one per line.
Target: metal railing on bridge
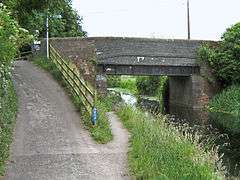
71	75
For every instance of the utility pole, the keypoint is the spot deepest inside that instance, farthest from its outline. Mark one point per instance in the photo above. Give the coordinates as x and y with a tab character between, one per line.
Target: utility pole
47	37
188	20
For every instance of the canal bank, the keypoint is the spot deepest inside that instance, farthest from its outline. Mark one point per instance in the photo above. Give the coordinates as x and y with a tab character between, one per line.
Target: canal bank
201	122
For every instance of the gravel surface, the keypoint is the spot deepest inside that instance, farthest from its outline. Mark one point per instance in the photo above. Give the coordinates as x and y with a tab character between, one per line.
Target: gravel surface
49	140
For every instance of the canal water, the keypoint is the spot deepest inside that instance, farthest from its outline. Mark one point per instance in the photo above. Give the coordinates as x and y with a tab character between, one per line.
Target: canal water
202	122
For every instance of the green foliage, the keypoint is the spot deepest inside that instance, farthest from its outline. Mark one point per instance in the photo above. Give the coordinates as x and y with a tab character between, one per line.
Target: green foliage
102	131
228	101
127	83
225	109
160	151
8	110
31	14
162	92
113	81
148	85
12	36
224	59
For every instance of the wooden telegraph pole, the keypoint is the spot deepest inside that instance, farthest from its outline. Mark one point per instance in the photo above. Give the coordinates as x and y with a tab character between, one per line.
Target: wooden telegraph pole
188	20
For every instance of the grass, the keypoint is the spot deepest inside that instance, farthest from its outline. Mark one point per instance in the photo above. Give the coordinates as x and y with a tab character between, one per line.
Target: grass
8	111
227	101
225	109
128	83
160	151
101	132
125	83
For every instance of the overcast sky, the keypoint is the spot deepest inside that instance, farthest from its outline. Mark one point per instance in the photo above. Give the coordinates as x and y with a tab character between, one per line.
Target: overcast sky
157	18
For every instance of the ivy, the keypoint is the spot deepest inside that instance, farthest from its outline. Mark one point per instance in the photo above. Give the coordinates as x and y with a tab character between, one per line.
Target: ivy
224	59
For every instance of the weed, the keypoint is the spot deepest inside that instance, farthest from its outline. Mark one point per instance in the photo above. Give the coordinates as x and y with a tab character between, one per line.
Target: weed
161	151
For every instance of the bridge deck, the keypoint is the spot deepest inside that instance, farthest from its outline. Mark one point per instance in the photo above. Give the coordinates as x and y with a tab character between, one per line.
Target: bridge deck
136	56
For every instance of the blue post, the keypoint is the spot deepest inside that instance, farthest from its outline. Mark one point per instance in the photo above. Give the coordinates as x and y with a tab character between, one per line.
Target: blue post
94	116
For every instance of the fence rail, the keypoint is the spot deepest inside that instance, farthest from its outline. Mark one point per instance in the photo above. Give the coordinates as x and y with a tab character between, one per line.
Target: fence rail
72	77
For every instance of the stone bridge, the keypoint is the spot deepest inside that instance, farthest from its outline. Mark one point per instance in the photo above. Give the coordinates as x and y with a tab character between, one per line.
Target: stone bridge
101	56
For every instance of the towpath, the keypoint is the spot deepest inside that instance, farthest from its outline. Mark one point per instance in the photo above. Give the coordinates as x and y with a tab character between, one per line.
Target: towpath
50	142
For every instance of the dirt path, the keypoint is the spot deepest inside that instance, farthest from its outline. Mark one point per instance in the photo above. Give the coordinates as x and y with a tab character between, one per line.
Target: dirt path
49	141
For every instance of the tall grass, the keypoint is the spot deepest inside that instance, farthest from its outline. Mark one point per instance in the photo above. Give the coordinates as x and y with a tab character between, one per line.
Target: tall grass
8	111
101	133
225	109
227	101
160	151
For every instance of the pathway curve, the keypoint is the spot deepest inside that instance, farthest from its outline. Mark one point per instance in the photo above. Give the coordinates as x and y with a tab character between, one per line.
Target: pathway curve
49	140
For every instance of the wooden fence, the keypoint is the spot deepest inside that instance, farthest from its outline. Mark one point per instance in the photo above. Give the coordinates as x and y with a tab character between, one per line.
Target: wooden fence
76	83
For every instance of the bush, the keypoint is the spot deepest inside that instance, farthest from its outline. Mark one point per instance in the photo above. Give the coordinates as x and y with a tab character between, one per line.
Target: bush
8	110
148	85
128	83
11	38
224	59
113	81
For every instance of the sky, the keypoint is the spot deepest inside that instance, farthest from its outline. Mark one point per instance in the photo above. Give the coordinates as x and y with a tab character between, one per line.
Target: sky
157	18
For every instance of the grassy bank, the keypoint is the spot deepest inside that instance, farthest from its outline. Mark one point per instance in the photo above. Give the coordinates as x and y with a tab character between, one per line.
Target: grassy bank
160	151
101	133
225	109
8	110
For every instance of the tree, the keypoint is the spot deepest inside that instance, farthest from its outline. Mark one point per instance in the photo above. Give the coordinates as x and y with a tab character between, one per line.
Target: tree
224	59
31	14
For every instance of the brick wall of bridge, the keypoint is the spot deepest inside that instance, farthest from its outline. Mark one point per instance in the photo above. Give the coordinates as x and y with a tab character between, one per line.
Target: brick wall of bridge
79	51
192	92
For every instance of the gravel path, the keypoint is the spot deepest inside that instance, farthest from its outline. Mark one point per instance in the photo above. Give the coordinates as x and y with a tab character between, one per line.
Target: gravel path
49	140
